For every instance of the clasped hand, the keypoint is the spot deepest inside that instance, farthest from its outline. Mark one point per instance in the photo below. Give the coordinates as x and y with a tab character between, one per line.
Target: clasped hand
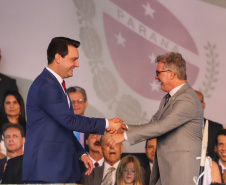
116	126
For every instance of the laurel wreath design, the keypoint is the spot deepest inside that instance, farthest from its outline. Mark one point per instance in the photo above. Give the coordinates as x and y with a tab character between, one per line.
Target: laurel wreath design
211	70
105	84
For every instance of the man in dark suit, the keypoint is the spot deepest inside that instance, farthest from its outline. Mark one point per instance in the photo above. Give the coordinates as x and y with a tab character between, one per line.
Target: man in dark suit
51	151
13	135
13	171
213	130
177	125
6	83
150	147
111	159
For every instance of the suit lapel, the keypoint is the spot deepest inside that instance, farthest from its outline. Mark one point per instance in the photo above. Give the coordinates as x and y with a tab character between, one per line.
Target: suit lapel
180	91
52	78
98	176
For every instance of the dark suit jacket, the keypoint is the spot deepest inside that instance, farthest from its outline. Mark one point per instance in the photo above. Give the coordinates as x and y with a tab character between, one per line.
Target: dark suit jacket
147	174
6	83
2	164
95	178
51	151
13	171
213	130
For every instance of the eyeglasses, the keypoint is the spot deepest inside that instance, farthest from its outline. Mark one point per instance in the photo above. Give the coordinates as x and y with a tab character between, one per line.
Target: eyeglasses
157	72
79	101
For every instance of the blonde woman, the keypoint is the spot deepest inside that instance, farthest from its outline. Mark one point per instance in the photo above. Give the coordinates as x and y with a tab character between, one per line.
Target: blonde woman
129	171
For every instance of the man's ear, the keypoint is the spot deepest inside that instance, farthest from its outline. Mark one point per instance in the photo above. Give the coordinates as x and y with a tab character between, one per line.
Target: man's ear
121	148
58	58
86	103
171	75
23	140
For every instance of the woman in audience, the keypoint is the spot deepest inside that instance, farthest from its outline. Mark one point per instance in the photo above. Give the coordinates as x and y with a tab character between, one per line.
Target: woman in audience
129	171
13	111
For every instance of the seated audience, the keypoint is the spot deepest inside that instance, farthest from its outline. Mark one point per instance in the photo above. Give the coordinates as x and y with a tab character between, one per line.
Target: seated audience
13	112
150	148
6	83
105	174
129	171
13	136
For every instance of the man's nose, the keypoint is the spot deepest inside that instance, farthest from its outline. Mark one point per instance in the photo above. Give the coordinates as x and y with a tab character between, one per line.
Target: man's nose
76	63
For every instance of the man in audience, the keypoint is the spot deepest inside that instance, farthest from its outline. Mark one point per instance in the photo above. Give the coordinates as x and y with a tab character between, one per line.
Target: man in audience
94	149
13	135
150	148
79	102
213	129
108	170
6	83
221	151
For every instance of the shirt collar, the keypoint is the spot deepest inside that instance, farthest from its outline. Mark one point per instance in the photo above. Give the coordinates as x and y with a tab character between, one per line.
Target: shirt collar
222	166
100	162
174	90
58	77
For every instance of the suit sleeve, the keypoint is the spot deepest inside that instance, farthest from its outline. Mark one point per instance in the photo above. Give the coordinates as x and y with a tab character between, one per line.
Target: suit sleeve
52	100
181	111
79	149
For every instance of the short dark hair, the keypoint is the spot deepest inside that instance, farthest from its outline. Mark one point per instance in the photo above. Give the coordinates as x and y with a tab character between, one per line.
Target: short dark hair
11	125
78	89
147	142
221	132
60	45
175	62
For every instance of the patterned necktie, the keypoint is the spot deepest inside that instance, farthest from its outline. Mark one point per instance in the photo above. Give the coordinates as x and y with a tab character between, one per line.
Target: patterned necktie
64	86
108	177
96	164
167	99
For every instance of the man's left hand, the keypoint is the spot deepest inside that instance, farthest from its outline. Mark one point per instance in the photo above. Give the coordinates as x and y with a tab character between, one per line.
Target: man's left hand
115	139
88	164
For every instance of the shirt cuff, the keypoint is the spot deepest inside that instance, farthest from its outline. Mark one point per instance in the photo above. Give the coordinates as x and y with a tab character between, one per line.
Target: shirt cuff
125	136
107	123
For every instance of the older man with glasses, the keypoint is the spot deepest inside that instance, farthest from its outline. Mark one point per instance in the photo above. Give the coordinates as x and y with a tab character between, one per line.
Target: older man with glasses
177	125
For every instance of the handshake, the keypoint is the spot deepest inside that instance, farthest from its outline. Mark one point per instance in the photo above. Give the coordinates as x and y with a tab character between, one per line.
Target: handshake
116	126
115	132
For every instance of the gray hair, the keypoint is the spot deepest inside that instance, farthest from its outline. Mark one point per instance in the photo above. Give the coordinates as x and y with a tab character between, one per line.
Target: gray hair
175	62
78	89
